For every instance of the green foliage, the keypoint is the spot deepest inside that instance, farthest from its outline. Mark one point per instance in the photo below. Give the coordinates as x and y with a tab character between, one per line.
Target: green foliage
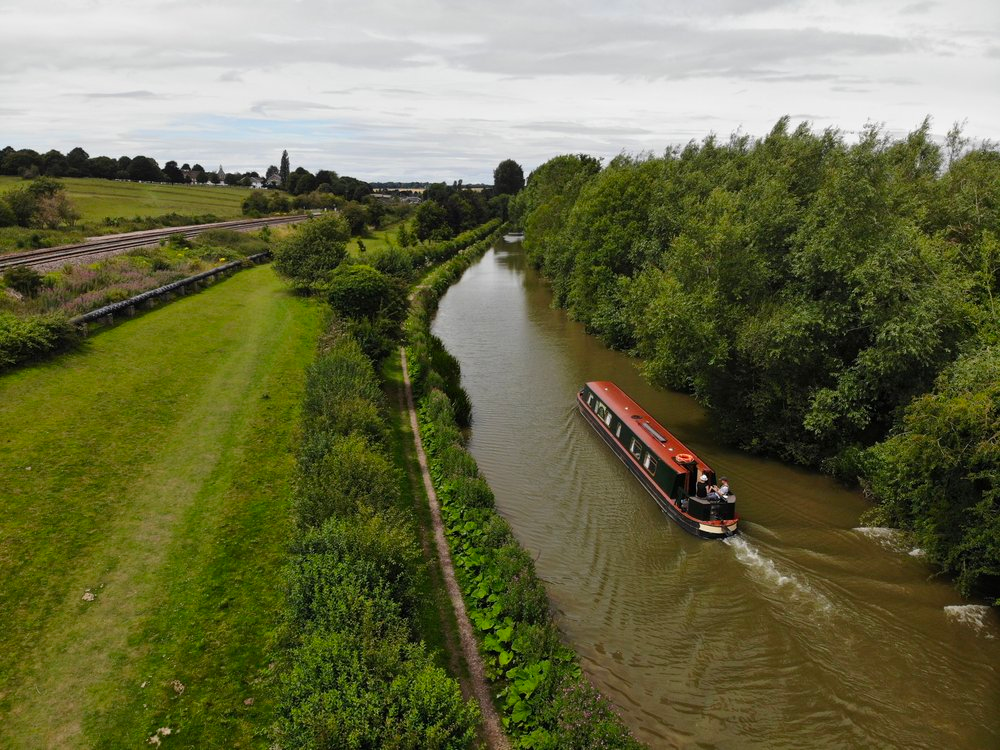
346	476
42	203
937	474
23	279
430	221
804	288
308	255
357	676
508	178
25	338
360	291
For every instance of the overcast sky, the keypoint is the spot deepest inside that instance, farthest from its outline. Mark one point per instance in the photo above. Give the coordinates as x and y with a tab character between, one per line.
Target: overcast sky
444	90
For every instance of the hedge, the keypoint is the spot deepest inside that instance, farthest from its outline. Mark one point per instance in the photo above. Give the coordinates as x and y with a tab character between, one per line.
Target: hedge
26	338
357	675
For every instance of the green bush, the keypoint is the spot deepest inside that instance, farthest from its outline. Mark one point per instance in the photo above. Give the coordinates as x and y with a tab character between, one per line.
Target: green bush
392	261
313	250
367	553
360	291
23	279
24	338
347	692
450	372
342	392
473	492
349	476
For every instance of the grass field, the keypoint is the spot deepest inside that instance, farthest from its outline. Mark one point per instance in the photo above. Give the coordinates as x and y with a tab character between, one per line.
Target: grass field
151	469
97	199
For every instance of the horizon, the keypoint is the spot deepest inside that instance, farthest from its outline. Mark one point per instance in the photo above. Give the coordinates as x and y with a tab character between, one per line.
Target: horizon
445	92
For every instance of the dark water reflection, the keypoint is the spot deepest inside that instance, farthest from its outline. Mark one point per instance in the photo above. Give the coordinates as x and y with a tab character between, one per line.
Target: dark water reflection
807	632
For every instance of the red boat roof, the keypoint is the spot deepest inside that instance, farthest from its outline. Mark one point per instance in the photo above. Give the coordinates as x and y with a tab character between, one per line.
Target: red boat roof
656	437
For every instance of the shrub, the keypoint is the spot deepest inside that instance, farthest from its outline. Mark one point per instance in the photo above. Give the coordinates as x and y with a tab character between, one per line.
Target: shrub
370	551
345	692
318	246
360	291
7	216
473	492
450	372
392	261
348	476
342	392
24	338
524	597
456	462
22	279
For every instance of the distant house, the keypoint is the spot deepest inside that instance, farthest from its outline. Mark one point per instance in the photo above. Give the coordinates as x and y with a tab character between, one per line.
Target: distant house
273	181
256	182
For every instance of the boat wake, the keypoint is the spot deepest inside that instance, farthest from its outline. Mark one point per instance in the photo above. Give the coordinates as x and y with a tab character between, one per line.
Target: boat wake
975	616
765	571
891	539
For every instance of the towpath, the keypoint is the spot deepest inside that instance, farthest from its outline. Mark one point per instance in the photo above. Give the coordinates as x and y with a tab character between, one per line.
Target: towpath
491	721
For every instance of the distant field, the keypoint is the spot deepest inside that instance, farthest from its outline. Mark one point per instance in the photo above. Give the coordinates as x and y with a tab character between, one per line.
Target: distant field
152	469
98	199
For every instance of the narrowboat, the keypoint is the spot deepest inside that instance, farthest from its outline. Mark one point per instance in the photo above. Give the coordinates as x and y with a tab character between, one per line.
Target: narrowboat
669	471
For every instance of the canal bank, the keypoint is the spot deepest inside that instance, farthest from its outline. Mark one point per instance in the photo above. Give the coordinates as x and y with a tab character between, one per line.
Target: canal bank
806	631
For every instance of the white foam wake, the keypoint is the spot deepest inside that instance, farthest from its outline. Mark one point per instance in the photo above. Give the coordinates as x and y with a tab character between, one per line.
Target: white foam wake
765	571
975	616
891	539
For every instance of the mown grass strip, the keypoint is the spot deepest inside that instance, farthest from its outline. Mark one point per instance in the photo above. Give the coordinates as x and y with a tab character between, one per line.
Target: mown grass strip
153	469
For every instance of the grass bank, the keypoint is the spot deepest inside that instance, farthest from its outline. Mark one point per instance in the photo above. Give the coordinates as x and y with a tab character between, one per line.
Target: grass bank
95	199
108	206
146	519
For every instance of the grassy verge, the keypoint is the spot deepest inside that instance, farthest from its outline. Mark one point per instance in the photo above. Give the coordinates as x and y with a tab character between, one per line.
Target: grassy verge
153	470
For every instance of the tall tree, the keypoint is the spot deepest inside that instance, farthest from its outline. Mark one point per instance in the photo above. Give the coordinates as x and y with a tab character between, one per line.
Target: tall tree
508	178
284	169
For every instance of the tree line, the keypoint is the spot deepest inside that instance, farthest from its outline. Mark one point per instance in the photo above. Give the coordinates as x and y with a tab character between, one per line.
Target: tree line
831	303
448	210
29	163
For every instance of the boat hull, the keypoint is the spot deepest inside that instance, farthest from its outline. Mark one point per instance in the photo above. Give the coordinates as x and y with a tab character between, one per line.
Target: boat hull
667	505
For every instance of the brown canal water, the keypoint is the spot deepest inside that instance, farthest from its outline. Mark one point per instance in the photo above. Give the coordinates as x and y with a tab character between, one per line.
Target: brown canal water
805	631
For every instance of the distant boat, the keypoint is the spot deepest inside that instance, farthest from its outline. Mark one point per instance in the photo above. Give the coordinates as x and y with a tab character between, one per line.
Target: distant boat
663	465
513	237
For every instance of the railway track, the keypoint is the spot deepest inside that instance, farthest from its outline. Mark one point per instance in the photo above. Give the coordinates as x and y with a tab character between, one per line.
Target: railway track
117	243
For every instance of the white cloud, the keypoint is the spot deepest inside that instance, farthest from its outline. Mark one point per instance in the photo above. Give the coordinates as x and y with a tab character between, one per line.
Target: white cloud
446	89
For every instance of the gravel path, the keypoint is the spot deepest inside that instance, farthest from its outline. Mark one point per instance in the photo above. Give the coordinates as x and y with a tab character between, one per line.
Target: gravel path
491	721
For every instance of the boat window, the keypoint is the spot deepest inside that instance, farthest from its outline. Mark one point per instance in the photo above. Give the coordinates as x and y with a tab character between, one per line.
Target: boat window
636	449
650	463
603	413
590	400
618	430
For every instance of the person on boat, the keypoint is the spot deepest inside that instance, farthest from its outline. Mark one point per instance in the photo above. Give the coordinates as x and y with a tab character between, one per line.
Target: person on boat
701	488
713	494
724	487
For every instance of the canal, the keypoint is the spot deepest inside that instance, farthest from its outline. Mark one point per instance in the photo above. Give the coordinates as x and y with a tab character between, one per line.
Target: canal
805	631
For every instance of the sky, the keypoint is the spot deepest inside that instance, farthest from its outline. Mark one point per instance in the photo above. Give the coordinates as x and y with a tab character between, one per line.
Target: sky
445	90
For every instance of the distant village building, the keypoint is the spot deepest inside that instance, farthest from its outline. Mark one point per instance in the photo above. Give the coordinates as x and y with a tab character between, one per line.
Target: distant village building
222	174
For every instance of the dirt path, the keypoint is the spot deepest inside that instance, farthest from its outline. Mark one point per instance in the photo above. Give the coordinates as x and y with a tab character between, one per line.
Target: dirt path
491	721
